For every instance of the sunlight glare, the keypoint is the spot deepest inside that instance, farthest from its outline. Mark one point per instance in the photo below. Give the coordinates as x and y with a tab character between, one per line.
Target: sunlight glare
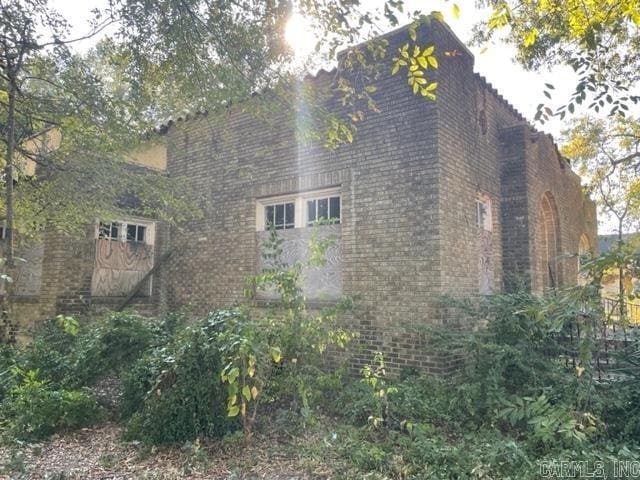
299	35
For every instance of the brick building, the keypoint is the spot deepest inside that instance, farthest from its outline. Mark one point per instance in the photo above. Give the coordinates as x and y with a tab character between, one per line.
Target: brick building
455	197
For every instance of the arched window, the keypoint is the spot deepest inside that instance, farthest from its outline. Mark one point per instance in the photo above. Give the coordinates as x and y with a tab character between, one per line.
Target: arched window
547	273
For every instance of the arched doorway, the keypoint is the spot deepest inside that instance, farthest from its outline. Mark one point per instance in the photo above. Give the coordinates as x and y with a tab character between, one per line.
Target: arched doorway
547	246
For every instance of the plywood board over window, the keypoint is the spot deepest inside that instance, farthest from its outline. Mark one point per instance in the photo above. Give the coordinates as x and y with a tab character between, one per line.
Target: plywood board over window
484	224
124	255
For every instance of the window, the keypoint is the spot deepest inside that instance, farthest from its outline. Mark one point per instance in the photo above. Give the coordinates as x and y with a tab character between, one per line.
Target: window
483	213
280	215
320	209
109	231
299	210
134	231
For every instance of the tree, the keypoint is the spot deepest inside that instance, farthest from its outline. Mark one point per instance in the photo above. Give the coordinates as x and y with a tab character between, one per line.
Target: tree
56	112
600	40
606	153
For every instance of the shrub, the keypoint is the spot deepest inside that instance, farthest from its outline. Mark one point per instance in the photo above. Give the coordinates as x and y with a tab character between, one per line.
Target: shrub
274	356
32	410
51	353
112	344
173	393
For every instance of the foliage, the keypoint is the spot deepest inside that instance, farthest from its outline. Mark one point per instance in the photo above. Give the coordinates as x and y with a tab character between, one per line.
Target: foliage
599	40
63	106
177	383
375	377
417	61
93	349
546	421
268	354
33	410
606	154
112	343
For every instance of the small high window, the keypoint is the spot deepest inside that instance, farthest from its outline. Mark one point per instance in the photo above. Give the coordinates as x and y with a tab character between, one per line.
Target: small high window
319	209
136	233
109	230
280	215
125	232
299	210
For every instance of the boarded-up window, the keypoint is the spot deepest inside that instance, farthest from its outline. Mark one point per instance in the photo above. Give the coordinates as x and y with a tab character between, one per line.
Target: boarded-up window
124	256
484	222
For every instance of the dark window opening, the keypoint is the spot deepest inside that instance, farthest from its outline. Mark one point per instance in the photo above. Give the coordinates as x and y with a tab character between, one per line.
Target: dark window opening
280	216
323	209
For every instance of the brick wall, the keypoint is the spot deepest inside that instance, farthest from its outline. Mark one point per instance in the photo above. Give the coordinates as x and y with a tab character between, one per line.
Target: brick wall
409	183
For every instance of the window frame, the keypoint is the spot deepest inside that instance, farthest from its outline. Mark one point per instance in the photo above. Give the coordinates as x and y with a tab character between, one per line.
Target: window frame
487	221
123	227
299	200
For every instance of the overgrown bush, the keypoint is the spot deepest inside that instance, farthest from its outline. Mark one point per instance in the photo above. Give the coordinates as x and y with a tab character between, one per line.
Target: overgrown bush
274	356
32	410
174	393
72	358
112	344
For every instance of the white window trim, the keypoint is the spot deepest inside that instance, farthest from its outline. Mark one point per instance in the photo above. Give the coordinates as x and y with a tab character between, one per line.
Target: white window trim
150	233
300	205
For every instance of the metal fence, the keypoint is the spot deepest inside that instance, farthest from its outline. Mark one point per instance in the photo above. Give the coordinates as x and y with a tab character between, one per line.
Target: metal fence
616	329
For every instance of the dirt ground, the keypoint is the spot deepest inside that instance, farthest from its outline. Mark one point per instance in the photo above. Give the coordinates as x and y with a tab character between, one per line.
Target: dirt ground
99	453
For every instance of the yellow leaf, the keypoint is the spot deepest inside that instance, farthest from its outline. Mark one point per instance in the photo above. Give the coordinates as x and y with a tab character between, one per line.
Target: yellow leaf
416	87
432	86
395	69
420	81
276	354
579	371
456	10
530	37
254	392
428	51
416	51
433	61
423	62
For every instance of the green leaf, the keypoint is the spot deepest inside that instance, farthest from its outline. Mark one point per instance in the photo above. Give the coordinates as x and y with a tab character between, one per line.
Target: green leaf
246	392
233	374
233	411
